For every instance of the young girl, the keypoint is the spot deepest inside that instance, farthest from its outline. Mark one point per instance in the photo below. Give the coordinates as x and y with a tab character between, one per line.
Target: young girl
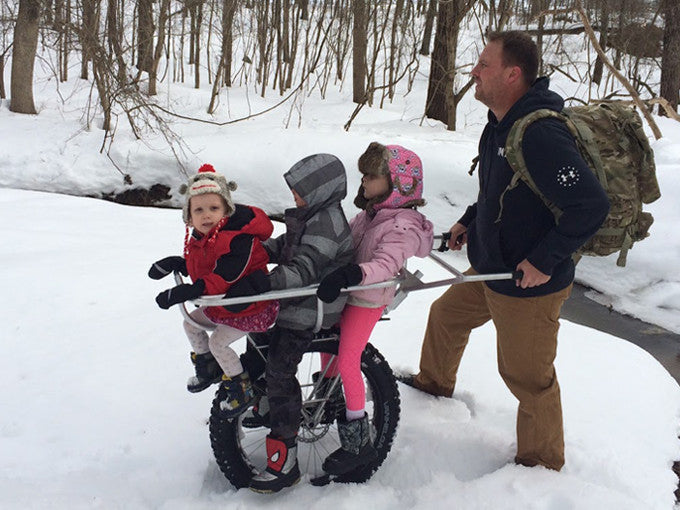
225	245
388	231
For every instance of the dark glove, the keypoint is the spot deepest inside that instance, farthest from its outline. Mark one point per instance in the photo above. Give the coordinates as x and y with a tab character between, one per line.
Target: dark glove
180	294
345	276
254	283
164	267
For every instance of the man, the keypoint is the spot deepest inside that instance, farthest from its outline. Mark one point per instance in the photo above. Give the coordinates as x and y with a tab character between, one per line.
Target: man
512	229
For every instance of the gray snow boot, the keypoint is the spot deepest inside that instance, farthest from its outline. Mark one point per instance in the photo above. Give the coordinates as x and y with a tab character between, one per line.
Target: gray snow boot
208	372
356	448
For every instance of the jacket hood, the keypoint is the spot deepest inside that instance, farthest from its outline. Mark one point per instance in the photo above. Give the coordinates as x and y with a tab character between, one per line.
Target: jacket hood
319	179
537	97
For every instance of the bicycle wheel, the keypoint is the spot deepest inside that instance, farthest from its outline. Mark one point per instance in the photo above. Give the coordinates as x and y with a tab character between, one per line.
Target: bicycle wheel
240	452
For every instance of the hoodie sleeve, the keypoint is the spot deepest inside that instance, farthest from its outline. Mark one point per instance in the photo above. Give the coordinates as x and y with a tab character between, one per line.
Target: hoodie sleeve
323	245
559	171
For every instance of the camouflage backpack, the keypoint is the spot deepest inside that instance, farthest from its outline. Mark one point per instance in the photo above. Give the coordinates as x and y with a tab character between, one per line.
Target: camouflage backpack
611	140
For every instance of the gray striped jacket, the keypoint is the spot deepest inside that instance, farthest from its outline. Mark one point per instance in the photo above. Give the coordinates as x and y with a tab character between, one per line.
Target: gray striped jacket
317	239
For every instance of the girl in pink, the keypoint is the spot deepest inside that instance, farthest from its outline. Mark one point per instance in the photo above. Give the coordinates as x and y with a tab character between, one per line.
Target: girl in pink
388	231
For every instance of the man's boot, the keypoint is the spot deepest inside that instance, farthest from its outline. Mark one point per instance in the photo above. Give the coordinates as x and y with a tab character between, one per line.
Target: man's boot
356	448
208	372
239	394
282	466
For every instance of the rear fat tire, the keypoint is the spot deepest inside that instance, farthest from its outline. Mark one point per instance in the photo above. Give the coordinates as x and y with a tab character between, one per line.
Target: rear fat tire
239	460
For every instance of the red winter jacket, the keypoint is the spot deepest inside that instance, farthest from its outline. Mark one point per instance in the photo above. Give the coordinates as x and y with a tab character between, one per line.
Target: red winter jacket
233	253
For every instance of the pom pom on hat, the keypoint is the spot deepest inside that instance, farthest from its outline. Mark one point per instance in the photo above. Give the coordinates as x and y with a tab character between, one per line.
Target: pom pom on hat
207	180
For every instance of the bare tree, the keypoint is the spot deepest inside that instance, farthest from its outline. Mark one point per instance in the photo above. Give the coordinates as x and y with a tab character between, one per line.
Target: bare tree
23	57
145	32
429	23
90	25
359	46
440	103
670	63
604	33
163	18
223	73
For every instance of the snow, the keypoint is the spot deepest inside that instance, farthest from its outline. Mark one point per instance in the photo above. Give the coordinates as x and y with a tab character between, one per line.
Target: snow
94	408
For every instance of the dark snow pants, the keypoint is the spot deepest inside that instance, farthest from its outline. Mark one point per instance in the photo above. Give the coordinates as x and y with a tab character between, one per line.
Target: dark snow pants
286	347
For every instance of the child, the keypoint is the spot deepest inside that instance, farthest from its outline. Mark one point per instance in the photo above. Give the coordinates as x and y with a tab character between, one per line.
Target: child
225	245
317	241
388	231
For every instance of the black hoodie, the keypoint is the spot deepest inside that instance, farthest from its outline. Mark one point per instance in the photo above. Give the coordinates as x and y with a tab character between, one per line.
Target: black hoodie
527	228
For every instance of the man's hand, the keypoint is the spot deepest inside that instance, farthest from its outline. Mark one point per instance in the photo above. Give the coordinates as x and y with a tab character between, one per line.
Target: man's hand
532	276
458	236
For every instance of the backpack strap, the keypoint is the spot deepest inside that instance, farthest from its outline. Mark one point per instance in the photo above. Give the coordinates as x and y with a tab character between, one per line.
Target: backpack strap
515	158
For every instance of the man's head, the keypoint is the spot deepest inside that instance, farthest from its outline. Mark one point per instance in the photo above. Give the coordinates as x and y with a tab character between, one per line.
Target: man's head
507	67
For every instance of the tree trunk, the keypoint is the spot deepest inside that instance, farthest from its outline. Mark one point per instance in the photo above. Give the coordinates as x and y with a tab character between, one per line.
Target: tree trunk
359	46
3	94
670	60
163	15
145	30
23	57
223	73
604	29
441	104
90	25
537	7
429	23
304	8
115	37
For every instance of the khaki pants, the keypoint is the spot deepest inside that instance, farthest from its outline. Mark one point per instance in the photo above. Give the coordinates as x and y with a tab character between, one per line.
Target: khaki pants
526	340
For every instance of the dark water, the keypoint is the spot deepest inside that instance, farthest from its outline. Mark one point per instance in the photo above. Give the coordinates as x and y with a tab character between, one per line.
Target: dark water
664	345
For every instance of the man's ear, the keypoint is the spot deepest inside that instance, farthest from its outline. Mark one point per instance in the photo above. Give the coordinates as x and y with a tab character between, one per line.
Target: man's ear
514	75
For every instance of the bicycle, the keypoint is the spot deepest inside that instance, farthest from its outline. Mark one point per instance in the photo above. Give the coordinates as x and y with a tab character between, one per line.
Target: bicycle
239	448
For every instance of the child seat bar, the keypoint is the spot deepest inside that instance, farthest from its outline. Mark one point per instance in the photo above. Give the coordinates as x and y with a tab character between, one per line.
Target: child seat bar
275	294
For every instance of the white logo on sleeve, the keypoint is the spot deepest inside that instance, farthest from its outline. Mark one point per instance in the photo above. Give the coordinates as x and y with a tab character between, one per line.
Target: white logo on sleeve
567	176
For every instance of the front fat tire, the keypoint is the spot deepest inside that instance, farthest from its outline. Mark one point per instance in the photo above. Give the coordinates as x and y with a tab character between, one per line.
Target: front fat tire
236	455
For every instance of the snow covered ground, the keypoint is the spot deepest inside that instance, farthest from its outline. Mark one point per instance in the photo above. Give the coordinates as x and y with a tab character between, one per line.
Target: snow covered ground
94	411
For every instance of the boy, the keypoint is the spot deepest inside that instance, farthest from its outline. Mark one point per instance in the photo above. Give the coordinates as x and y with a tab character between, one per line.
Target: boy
317	241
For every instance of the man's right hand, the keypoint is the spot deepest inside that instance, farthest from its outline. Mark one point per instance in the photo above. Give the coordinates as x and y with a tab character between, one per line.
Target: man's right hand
458	236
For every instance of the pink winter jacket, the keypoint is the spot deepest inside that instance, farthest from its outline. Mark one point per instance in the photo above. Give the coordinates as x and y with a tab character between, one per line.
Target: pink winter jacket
382	245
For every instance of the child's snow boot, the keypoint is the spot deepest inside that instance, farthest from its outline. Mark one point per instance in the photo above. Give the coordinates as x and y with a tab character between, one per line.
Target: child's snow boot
239	393
282	466
356	448
208	372
335	405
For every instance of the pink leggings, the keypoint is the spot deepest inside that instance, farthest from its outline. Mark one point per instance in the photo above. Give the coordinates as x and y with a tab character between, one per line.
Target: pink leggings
356	325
